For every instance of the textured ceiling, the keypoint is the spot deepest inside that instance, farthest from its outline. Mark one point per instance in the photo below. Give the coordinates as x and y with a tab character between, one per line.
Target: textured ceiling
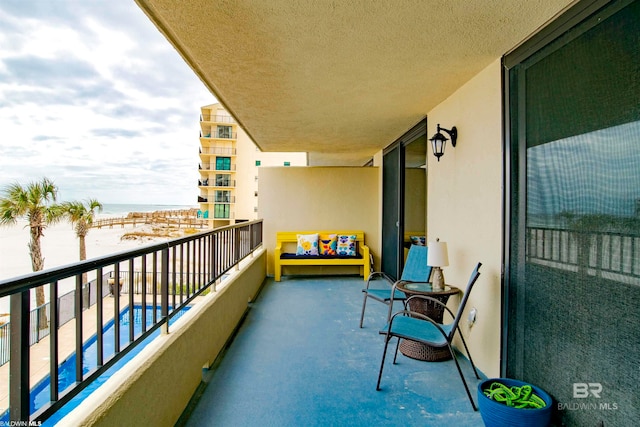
340	79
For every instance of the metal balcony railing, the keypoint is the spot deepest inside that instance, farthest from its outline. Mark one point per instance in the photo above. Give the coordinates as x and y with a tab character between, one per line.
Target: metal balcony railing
217	199
214	183
216	118
66	307
219	135
228	183
172	275
219	151
225	199
592	252
214	167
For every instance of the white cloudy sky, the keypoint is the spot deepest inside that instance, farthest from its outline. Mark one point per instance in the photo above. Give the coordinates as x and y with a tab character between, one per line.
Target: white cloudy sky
93	97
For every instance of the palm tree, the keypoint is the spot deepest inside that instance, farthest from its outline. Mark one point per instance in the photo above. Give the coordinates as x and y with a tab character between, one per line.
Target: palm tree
81	216
36	201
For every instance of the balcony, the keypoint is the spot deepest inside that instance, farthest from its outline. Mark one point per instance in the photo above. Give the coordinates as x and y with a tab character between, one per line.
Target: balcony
212	167
225	183
217	199
299	358
219	135
219	151
213	183
217	118
224	199
166	277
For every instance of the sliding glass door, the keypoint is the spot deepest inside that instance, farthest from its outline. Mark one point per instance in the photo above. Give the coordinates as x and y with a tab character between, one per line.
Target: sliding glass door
403	196
573	237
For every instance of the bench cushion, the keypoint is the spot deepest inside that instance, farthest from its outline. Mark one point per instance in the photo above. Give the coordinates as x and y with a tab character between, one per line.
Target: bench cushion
294	256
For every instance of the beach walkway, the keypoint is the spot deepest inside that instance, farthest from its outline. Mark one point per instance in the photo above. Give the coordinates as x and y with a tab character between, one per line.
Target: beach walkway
187	218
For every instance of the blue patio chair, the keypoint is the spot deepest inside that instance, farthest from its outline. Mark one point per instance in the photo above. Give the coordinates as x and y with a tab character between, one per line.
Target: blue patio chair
415	270
414	326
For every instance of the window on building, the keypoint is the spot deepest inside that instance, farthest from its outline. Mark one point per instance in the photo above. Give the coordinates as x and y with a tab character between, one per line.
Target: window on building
221	211
223	180
223	132
223	196
287	163
223	163
257	162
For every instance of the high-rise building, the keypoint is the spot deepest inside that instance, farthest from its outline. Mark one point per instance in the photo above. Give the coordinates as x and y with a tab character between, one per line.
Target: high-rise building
229	162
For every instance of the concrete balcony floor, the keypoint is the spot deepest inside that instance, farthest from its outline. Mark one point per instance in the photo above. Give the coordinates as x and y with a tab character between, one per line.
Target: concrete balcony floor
299	358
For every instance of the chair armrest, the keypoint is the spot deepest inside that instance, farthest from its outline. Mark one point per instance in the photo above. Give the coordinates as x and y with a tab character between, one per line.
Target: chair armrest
378	274
278	250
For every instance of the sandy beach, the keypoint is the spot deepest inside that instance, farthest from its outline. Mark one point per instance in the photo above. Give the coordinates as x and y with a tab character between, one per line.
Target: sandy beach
60	246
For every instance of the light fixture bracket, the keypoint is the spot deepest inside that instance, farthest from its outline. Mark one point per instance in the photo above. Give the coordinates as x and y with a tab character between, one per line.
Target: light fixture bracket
453	134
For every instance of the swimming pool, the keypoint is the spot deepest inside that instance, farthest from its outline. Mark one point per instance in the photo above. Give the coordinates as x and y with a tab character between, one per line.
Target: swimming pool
39	395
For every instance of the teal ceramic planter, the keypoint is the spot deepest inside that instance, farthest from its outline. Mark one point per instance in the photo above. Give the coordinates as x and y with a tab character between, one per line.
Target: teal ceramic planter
496	414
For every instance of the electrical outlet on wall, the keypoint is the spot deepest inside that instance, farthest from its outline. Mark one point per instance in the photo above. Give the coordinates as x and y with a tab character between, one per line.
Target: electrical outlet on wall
472	316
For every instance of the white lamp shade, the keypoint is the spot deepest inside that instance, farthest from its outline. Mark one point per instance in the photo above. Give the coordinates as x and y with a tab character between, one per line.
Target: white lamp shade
437	255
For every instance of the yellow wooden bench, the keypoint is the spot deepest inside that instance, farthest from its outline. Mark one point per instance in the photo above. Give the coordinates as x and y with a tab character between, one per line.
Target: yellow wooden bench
289	239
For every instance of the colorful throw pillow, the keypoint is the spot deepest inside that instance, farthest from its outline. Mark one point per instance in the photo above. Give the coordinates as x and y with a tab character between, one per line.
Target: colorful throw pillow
418	240
346	245
307	244
328	244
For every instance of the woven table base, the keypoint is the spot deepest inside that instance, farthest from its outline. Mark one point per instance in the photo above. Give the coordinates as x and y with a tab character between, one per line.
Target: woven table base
419	351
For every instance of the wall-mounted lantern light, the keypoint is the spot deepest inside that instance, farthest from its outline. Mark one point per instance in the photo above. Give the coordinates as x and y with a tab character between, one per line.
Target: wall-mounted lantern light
438	141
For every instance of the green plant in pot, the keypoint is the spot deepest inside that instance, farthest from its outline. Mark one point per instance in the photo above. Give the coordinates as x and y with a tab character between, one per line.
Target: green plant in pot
509	402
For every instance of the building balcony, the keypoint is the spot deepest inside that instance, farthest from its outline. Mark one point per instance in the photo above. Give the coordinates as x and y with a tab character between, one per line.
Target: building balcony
217	119
224	184
218	151
296	357
219	135
170	279
212	167
213	183
217	199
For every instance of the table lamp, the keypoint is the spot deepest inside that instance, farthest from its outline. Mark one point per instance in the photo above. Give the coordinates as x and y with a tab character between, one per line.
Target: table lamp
437	257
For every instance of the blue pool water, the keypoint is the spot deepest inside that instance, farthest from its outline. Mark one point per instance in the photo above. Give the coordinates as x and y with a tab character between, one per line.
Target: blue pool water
66	371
